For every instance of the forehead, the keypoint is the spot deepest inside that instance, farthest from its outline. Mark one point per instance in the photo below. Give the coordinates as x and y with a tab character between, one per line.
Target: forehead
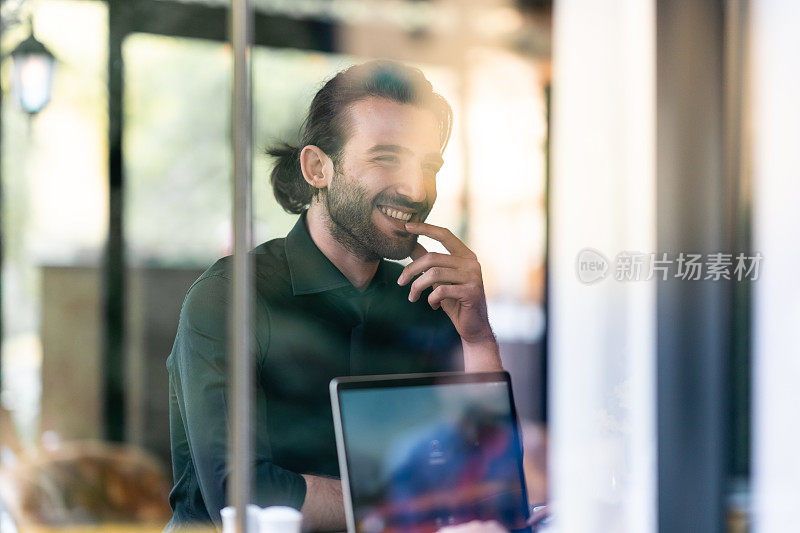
376	120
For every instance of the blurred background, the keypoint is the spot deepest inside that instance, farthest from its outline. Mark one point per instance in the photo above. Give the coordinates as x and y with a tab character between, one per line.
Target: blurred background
669	128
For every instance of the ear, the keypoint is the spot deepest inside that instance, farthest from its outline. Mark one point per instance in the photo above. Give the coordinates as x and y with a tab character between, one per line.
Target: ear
317	167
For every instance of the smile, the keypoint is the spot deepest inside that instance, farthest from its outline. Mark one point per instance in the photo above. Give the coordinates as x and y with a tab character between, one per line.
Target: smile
394	213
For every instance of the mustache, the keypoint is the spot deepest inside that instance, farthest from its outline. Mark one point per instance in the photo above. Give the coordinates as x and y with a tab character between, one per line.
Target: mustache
400	201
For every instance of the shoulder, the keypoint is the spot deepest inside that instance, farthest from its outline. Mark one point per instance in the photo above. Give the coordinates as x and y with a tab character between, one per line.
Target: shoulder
271	267
209	296
268	258
205	305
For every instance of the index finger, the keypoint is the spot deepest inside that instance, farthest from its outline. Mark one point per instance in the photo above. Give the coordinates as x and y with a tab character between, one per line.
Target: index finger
443	235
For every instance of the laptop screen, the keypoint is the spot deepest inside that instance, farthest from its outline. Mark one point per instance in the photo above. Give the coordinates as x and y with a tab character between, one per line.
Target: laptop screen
426	456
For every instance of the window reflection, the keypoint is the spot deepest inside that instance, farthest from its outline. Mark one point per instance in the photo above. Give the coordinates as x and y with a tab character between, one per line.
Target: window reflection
56	469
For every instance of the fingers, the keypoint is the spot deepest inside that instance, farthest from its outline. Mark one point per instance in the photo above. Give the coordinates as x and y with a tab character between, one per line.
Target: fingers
463	293
443	235
539	514
456	275
426	261
434	276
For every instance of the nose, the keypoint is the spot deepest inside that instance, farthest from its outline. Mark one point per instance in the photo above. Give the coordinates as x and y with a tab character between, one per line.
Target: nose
413	186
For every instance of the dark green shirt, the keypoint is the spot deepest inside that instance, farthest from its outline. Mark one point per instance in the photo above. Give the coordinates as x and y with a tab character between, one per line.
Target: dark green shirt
310	325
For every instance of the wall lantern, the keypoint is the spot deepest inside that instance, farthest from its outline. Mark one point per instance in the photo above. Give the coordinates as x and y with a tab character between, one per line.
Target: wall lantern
33	74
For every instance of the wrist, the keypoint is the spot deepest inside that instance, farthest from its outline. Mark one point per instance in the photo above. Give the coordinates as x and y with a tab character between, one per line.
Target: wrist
484	338
481	354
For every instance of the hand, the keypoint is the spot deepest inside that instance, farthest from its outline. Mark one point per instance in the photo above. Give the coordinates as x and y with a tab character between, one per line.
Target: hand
456	280
475	527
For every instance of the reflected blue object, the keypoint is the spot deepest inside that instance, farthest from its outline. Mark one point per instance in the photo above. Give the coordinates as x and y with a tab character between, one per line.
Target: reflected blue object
422	458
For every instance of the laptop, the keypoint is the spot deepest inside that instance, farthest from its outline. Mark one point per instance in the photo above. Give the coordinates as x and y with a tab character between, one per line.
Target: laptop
419	452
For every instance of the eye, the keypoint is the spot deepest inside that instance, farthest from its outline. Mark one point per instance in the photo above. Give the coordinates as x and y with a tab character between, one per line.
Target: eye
387	159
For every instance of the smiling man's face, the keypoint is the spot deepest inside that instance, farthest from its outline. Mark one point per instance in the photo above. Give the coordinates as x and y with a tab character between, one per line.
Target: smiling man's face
386	176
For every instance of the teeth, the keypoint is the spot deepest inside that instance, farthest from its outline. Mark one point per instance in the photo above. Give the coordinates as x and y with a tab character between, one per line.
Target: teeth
405	217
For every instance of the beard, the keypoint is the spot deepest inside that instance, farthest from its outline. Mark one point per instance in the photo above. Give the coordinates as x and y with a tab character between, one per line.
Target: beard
350	221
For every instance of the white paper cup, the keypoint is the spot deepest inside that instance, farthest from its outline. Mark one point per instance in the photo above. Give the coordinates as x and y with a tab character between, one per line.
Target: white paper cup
228	515
279	520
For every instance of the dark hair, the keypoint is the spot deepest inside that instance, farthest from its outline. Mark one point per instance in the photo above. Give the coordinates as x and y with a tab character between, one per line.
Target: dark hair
326	124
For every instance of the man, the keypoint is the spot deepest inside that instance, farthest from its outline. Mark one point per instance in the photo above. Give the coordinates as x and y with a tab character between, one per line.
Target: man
363	181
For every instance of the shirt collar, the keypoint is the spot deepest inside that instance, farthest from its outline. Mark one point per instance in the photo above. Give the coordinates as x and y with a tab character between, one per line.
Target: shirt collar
312	272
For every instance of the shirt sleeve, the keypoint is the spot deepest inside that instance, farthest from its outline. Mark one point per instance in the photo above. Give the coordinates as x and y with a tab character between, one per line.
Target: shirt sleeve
201	365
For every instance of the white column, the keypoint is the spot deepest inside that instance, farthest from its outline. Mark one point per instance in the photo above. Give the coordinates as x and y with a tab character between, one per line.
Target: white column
603	346
776	294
